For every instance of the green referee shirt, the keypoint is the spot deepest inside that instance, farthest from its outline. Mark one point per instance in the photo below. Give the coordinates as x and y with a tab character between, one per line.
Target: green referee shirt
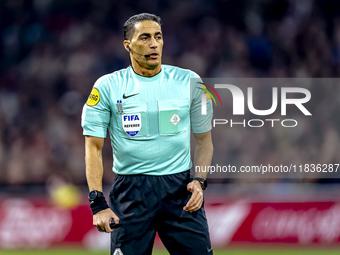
149	119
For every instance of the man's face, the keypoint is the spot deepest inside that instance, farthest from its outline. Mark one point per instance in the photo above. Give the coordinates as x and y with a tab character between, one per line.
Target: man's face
147	40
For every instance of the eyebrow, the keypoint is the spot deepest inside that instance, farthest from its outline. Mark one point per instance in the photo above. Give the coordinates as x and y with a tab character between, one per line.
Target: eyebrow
148	34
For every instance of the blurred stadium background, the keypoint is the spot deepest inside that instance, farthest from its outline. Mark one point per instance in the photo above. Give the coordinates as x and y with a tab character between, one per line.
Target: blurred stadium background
52	52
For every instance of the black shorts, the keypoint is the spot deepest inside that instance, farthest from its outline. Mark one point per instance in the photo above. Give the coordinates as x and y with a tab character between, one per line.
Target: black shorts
146	204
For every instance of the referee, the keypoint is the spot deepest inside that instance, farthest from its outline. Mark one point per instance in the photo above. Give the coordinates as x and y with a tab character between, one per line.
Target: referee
150	110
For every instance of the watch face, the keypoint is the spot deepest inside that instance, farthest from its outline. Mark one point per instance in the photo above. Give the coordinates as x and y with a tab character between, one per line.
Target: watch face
93	195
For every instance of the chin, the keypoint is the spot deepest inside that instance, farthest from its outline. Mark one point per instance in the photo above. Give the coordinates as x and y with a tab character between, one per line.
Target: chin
153	65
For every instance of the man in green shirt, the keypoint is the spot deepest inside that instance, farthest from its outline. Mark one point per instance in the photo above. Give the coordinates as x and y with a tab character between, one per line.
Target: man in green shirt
150	110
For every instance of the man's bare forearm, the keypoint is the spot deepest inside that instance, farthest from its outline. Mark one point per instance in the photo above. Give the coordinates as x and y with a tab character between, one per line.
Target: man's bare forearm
94	162
203	154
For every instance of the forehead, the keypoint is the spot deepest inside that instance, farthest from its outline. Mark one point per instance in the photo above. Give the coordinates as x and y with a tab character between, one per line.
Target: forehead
147	26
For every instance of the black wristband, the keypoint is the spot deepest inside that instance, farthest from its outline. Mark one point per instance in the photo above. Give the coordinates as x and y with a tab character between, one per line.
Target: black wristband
98	205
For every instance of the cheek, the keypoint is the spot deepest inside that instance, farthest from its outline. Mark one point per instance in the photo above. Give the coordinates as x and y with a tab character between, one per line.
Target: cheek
140	47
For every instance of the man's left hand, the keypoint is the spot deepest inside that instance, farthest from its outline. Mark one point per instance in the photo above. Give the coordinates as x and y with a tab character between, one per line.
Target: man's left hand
196	200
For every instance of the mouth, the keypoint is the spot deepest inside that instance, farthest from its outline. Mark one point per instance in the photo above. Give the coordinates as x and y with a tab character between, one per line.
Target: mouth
153	55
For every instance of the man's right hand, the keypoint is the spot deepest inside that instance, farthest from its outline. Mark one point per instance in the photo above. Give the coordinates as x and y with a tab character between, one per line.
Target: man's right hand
102	220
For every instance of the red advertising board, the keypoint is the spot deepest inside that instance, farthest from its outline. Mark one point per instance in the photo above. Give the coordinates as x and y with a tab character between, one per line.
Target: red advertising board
300	223
36	223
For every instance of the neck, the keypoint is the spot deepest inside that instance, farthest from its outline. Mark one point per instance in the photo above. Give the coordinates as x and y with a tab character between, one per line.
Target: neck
143	71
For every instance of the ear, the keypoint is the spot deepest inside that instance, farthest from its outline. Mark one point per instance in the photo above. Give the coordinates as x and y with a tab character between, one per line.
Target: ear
126	45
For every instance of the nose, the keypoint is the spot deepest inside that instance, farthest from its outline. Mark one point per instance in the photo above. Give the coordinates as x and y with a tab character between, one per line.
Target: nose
153	43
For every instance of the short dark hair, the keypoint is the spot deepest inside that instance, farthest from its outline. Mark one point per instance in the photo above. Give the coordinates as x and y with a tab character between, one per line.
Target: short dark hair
129	25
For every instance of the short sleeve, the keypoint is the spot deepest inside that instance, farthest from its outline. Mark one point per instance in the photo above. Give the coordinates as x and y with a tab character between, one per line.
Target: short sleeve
95	117
199	123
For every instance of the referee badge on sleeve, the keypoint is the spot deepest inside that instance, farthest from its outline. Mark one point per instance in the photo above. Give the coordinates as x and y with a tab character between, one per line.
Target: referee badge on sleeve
132	123
94	97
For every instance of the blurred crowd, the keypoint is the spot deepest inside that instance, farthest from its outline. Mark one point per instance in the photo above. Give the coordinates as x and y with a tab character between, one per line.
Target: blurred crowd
52	52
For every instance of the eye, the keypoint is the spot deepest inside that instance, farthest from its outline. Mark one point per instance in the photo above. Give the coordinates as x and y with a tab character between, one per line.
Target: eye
144	38
159	37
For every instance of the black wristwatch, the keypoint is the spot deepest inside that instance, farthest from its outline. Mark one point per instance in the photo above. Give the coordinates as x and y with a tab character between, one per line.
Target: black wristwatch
203	182
95	194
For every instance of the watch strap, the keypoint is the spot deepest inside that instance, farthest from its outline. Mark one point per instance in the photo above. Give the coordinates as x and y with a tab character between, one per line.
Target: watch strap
202	181
97	201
